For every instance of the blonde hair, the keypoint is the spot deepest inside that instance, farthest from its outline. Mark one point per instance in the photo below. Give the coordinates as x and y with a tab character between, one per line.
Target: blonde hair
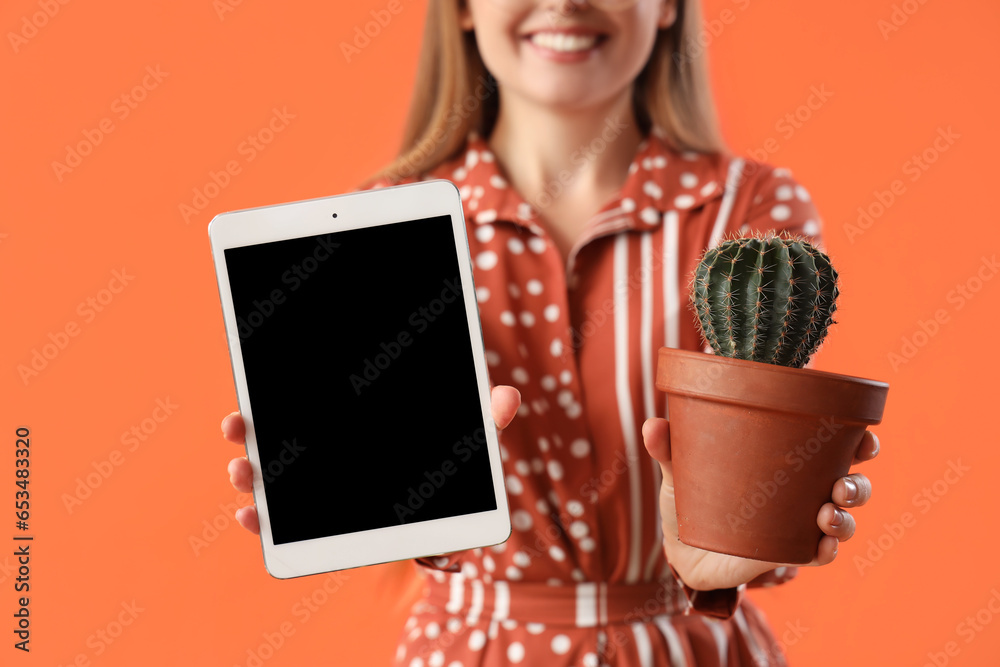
455	94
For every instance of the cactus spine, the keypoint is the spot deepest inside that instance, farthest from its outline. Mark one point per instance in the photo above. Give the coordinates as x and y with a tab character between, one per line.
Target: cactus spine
767	298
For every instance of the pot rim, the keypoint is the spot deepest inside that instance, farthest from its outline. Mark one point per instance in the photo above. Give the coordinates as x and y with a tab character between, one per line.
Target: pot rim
792	390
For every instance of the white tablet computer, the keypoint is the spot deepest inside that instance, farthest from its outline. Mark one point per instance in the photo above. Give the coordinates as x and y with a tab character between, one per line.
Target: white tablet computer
360	372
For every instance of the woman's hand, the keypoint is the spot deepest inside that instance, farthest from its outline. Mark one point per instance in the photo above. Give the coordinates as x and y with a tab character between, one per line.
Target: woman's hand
707	570
505	402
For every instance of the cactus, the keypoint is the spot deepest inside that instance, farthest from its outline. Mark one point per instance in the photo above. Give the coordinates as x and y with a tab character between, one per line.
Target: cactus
768	298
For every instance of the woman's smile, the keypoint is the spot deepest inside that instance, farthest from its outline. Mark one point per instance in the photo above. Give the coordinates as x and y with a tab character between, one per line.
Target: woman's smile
566	45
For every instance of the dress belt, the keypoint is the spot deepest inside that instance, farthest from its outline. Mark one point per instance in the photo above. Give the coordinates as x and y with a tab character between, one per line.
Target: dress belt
583	605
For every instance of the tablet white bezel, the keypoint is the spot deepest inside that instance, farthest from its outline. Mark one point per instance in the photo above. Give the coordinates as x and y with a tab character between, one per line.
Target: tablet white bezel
368	208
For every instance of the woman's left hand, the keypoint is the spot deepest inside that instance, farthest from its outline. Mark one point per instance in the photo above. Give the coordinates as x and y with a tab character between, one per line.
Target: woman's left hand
708	570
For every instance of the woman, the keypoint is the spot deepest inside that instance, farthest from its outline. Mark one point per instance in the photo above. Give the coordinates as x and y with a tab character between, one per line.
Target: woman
583	140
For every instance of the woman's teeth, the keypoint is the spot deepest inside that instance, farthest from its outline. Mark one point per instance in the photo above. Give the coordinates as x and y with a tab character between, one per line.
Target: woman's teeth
558	41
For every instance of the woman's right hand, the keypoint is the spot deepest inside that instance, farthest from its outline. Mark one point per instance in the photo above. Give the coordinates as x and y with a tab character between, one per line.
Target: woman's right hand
505	402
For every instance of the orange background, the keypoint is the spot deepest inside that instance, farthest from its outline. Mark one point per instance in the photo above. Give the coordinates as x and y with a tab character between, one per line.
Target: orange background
162	337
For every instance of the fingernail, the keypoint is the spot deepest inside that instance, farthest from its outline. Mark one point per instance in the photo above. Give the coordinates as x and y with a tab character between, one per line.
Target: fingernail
877	445
852	488
838	518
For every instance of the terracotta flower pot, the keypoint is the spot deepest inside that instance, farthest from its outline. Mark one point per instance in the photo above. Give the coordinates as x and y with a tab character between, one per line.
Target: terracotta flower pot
756	449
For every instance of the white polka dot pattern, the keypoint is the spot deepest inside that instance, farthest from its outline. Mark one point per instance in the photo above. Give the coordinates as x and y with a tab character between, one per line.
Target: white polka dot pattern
486	260
514	485
684	201
485	233
521	520
515	652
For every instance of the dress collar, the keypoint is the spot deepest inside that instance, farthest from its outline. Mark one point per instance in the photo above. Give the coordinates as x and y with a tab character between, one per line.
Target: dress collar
660	179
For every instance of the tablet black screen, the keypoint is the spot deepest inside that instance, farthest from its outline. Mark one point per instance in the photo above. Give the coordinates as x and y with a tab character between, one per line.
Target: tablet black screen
361	379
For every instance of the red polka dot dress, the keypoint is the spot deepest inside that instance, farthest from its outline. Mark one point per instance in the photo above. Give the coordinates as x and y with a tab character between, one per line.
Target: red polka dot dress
583	580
